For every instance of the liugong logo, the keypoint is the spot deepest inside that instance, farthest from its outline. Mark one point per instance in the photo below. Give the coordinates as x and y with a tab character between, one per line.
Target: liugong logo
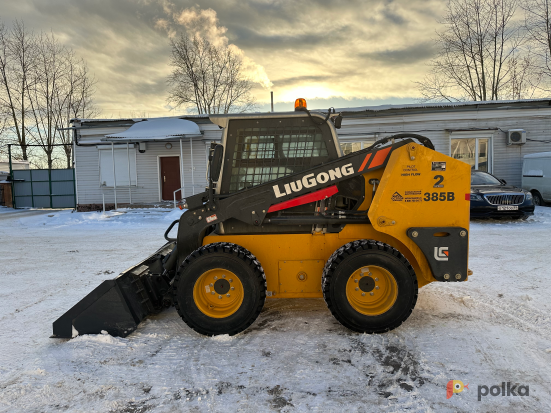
310	181
441	253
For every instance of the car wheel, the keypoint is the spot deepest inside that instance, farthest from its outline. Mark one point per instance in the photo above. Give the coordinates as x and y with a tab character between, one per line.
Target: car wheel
538	200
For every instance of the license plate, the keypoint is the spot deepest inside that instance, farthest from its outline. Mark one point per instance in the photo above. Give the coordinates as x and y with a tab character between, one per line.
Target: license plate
507	208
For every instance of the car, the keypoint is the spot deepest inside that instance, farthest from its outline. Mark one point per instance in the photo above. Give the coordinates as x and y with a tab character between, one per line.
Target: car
536	176
491	197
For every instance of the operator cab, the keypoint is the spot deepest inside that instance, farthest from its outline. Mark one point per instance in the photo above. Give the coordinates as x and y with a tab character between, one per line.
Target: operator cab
260	148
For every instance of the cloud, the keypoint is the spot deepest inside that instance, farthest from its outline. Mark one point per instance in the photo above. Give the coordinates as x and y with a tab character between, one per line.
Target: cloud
205	23
367	50
415	53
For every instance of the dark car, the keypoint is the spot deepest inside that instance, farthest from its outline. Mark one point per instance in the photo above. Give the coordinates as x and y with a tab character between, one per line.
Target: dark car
493	198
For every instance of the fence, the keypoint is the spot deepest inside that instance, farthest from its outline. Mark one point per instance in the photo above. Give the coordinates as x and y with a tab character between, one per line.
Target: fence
44	188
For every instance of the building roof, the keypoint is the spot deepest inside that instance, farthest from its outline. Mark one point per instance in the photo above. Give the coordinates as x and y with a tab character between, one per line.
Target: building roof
443	106
205	116
361	111
157	129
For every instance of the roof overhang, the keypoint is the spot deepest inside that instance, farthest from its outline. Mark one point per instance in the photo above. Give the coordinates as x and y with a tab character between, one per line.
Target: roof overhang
165	129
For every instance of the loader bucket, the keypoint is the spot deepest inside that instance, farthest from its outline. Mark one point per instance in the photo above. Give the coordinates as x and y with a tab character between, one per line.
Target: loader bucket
118	306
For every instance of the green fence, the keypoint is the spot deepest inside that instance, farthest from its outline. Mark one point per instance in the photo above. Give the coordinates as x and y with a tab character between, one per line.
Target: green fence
44	188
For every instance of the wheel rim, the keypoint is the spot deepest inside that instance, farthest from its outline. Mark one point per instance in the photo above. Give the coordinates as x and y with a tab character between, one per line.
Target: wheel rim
218	293
371	290
536	200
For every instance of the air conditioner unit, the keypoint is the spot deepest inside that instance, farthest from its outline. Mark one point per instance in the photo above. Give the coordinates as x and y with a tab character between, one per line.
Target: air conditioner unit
516	137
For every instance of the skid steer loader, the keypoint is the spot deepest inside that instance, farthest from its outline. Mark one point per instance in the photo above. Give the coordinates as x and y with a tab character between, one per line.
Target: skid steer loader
286	215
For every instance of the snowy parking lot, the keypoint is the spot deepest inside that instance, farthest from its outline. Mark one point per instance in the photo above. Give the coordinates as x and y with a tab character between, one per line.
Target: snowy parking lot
493	329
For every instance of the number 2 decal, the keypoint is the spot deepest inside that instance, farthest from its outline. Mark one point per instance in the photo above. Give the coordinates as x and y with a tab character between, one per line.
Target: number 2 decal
439	180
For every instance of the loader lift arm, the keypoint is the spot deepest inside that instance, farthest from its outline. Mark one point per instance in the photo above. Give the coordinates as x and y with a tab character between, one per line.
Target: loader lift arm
253	204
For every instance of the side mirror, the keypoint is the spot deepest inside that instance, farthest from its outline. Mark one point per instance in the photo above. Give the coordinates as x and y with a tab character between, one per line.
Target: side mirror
337	121
216	163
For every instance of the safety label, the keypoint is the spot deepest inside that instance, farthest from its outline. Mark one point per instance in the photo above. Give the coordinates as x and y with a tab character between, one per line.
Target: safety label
212	218
397	197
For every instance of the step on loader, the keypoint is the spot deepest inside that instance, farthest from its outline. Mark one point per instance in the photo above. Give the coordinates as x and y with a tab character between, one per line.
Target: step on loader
286	215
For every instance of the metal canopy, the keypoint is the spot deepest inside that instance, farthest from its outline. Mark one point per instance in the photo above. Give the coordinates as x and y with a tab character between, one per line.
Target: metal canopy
157	130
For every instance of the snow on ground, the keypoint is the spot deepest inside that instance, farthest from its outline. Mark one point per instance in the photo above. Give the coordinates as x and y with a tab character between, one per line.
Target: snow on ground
494	328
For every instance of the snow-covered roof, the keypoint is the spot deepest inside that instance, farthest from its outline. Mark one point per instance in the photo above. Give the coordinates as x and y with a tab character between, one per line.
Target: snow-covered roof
538	155
157	129
437	105
205	116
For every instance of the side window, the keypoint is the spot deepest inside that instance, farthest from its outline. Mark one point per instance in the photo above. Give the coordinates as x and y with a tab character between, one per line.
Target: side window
262	154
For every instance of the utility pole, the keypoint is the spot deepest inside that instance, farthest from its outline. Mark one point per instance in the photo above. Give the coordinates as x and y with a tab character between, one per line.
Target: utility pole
272	99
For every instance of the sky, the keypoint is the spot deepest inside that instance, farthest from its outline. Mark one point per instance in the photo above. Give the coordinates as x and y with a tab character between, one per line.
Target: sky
331	52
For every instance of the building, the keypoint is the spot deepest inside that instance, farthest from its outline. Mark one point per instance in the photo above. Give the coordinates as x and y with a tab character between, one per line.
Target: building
155	157
475	132
141	161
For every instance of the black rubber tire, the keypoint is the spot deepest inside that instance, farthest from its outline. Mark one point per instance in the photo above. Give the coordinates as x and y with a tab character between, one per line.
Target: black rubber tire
233	258
537	198
348	259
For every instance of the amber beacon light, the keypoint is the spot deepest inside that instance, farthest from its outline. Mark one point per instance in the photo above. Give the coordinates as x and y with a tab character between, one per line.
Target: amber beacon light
300	104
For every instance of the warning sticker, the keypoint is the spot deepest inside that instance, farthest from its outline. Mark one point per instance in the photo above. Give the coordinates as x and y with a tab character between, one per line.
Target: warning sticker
397	197
207	289
212	218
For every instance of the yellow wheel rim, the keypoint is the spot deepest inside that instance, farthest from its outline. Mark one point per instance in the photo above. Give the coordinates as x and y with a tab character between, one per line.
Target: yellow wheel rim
218	293
371	290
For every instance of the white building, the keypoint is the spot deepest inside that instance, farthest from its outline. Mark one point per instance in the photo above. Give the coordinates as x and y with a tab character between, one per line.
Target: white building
151	166
152	158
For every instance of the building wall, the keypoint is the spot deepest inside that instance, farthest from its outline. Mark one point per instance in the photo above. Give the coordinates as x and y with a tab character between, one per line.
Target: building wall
437	126
147	167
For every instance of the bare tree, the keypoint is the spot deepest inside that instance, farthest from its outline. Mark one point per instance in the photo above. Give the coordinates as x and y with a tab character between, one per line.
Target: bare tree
481	54
73	99
48	78
538	25
43	85
18	54
208	78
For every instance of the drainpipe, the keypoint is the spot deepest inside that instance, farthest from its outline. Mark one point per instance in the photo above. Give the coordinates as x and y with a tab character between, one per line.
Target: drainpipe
129	178
192	179
114	174
11	178
182	183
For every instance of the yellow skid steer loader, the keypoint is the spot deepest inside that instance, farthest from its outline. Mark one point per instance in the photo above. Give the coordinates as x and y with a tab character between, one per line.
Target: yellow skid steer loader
286	215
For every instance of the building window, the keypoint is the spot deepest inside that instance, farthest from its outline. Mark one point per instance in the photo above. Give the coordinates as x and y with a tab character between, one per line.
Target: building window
122	156
349	147
473	151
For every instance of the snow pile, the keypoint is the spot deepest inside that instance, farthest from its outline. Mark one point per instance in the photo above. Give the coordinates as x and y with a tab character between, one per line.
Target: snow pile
100	338
120	217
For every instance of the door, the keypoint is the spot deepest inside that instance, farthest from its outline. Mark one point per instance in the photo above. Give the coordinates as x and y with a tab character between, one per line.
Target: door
170	177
